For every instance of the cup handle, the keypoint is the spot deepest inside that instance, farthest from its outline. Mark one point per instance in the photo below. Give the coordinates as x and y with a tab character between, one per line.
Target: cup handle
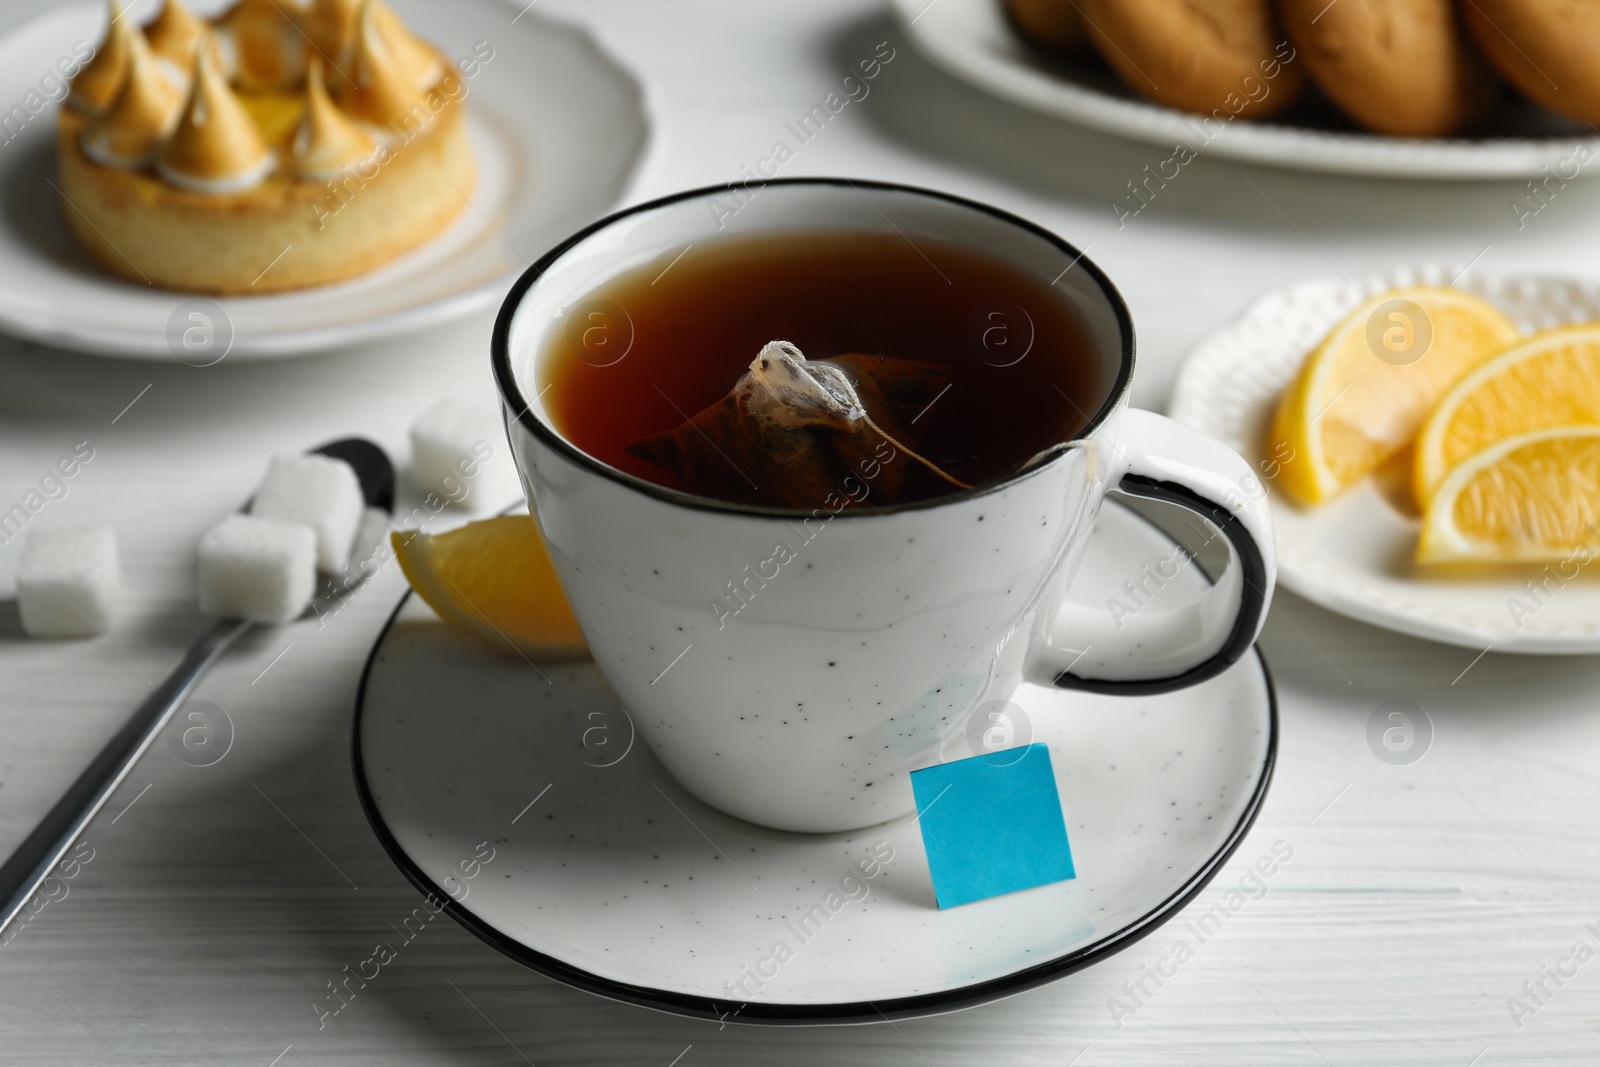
1131	646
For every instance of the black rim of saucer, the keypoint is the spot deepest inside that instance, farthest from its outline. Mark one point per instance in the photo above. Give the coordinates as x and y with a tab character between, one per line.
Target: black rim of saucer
848	1012
519	408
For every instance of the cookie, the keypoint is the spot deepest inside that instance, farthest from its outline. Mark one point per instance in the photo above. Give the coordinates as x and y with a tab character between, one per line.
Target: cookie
1054	25
1549	50
1224	58
1401	67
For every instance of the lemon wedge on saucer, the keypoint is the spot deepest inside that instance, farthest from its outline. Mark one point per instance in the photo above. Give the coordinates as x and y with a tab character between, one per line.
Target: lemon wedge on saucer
1549	379
494	578
1527	499
1363	392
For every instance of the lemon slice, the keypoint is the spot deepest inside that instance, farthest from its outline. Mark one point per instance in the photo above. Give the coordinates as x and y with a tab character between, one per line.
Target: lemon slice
1363	392
1528	499
494	578
1549	379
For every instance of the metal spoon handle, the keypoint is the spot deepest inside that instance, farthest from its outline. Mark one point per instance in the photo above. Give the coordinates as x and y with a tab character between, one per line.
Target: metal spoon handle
32	862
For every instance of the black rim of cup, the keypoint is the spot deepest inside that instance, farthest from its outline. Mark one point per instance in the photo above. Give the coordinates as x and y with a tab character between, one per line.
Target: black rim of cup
519	408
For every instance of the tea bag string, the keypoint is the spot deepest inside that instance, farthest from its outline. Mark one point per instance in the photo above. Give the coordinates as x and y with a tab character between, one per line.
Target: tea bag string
926	462
819	393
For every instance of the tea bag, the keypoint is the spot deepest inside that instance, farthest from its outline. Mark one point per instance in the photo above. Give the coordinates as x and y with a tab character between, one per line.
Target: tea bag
793	430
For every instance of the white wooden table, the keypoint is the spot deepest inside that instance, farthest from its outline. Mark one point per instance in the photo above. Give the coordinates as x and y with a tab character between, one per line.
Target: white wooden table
221	900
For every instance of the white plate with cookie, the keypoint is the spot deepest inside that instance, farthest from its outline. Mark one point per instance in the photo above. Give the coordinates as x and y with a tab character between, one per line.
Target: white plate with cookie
559	131
1354	554
974	41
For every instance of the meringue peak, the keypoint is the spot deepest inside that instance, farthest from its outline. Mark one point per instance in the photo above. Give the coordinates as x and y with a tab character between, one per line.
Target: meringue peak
216	147
264	43
382	91
416	60
95	86
328	142
128	132
175	33
330	28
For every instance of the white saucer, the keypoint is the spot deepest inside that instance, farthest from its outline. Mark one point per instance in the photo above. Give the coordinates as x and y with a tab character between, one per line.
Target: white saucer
1354	554
559	129
607	876
972	40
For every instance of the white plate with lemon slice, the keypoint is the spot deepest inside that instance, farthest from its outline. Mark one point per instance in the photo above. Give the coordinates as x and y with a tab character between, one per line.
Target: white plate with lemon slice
1356	552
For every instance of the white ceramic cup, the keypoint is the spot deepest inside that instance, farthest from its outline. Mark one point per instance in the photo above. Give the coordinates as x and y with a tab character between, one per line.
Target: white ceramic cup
865	636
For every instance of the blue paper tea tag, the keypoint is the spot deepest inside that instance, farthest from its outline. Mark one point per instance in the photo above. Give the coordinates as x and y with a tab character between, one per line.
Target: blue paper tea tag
992	825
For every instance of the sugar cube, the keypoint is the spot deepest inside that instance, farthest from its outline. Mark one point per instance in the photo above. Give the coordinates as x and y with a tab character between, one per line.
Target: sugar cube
318	492
450	444
68	582
258	569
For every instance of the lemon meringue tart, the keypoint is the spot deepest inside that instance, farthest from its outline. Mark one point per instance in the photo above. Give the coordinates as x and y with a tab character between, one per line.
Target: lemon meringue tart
277	146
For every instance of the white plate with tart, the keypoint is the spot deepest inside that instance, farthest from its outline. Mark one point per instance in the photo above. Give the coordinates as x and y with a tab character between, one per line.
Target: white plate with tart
333	175
1519	456
523	806
1260	109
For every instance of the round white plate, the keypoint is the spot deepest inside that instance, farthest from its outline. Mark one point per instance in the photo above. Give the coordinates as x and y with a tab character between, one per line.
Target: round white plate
972	40
609	877
559	129
1354	554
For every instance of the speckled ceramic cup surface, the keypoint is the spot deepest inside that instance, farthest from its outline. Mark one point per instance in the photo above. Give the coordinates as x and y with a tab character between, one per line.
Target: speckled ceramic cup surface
864	637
